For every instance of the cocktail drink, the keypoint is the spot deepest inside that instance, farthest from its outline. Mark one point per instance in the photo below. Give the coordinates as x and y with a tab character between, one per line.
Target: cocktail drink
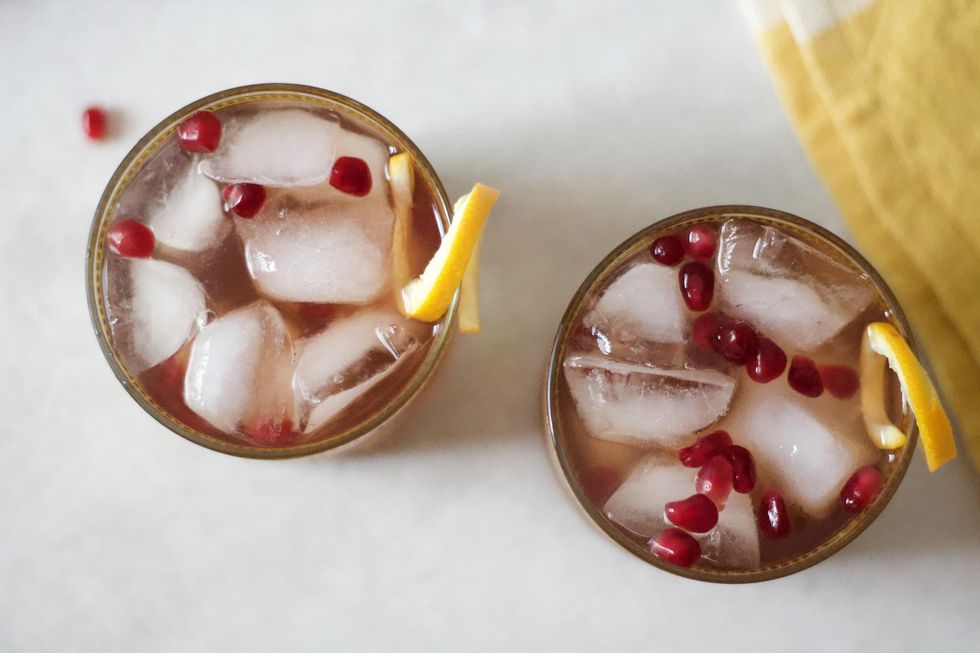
708	400
245	267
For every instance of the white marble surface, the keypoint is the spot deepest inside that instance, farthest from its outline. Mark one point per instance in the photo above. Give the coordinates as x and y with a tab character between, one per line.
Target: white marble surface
595	119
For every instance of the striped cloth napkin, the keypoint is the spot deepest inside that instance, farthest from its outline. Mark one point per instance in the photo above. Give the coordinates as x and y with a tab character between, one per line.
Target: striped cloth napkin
885	95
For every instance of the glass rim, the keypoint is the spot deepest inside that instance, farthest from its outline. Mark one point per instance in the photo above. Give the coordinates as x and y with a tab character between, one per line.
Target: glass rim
133	162
850	530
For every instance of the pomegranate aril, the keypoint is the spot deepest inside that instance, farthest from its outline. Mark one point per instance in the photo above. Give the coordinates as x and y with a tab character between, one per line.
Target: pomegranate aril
768	363
773	515
244	200
840	381
861	489
697	513
715	480
804	377
351	175
705	329
200	133
737	342
667	250
600	483
130	238
743	468
94	121
700	242
706	448
697	283
272	431
676	547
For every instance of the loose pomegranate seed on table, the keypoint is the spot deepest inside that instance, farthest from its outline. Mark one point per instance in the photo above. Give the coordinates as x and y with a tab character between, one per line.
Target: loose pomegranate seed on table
697	513
773	515
130	238
715	479
700	242
706	448
737	342
200	133
351	175
244	200
676	547
861	489
840	381
667	250
697	283
804	377
743	468
94	123
768	363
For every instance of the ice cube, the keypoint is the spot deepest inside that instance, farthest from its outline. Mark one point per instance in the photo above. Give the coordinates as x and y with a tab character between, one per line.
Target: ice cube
239	369
788	289
808	458
155	307
734	542
640	404
337	366
285	147
638	505
189	217
330	253
643	304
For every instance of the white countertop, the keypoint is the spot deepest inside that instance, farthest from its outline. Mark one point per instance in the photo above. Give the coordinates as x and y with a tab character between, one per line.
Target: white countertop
595	120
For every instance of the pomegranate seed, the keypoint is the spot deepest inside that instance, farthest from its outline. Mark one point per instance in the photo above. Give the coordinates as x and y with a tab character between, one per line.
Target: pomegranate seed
600	483
743	468
200	133
351	175
700	242
697	513
804	377
840	380
705	329
130	238
773	515
676	547
715	480
706	448
244	200
768	363
697	285
737	342
861	489
272	431
94	123
668	250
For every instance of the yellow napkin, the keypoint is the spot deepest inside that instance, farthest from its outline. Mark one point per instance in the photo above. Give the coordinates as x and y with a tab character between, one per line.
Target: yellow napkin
885	95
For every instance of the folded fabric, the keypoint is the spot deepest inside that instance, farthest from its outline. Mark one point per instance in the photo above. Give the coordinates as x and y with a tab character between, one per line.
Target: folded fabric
885	95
